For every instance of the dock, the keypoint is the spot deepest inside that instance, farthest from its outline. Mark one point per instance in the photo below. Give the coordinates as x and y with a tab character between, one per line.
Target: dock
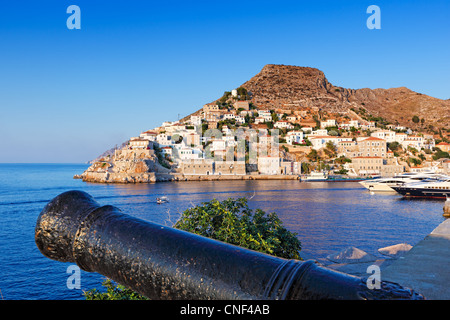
426	267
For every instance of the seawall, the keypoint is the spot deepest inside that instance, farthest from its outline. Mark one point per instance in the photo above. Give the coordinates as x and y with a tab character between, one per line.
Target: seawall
424	268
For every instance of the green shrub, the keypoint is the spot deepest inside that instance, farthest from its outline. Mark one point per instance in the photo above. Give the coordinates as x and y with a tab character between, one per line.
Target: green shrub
233	222
113	292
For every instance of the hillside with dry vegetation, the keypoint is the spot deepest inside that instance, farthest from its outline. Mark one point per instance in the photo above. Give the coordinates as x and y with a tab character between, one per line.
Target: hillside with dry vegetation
291	87
297	88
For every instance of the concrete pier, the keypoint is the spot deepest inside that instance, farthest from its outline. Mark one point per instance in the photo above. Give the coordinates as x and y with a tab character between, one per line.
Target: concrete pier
426	267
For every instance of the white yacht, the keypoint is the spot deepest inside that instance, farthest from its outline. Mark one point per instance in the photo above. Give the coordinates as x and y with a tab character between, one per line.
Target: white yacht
431	188
315	176
387	184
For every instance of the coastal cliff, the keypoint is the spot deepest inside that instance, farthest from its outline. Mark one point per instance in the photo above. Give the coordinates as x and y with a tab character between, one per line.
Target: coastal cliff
126	166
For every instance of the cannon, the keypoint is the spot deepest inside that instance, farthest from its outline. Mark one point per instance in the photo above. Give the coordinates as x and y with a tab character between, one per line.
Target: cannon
161	262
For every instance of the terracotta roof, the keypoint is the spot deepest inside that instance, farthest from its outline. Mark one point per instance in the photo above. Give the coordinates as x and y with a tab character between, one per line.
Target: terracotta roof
374	138
367	158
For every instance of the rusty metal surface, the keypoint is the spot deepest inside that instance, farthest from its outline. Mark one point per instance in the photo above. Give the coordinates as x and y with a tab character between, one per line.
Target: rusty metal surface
165	263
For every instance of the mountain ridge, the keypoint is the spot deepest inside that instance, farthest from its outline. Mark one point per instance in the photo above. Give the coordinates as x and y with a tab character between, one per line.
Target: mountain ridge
279	86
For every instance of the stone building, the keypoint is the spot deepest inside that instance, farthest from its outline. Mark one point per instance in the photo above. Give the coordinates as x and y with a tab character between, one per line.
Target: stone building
241	104
139	143
210	107
229	168
370	166
210	167
372	147
367	166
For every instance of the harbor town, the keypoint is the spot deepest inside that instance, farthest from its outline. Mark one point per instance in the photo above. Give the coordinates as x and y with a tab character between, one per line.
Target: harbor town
233	138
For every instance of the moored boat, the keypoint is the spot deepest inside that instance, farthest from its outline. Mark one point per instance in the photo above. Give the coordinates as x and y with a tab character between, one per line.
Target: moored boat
315	176
387	184
439	189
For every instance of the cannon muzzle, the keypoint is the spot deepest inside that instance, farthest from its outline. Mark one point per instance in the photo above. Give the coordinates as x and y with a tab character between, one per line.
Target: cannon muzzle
165	263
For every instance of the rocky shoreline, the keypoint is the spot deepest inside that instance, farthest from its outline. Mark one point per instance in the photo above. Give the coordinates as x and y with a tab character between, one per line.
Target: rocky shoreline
153	177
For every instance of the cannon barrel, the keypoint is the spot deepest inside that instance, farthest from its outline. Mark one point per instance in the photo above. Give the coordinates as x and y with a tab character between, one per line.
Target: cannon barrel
165	263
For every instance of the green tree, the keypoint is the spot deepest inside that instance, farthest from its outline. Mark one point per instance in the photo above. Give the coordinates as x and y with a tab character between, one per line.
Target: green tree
306	167
313	155
393	146
415	119
343	160
440	154
330	149
414	161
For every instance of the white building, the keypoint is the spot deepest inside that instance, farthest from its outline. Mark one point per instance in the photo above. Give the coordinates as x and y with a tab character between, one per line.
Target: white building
166	150
163	139
196	120
190	154
269	165
263	113
259	120
218	144
266	139
240	119
294	137
400	137
387	135
350	124
327	123
319	142
149	135
319	132
416	142
283	125
139	143
229	116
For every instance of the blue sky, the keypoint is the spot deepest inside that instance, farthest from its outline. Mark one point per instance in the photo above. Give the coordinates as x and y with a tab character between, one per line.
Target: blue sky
68	95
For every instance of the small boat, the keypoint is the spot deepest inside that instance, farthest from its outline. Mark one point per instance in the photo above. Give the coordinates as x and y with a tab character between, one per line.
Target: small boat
316	176
439	189
162	200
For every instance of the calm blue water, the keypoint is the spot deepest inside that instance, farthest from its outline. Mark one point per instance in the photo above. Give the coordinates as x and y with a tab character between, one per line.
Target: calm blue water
327	217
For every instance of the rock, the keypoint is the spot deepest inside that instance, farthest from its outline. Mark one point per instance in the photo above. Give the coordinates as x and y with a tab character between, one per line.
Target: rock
447	208
351	255
395	251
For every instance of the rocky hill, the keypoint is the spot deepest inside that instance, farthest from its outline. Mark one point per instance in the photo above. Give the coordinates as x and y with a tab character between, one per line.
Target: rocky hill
292	87
126	166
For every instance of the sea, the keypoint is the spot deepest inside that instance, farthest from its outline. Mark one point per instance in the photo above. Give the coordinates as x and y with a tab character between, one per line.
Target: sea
326	216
